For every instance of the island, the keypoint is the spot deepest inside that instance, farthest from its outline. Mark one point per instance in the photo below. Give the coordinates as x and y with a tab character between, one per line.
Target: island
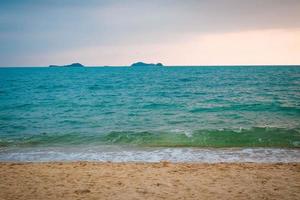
142	64
69	66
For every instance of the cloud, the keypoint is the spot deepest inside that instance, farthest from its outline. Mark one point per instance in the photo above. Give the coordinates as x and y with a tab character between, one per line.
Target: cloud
47	27
273	46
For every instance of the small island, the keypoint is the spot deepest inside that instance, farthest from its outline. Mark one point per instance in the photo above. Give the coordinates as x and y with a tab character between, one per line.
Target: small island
142	64
69	66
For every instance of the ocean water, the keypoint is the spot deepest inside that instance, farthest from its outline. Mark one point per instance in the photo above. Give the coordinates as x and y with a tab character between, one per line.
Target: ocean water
111	113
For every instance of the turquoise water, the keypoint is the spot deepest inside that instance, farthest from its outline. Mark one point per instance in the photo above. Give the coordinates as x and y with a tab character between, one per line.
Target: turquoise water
150	107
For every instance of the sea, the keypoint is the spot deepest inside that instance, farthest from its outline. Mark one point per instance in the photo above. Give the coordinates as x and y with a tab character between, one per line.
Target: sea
149	114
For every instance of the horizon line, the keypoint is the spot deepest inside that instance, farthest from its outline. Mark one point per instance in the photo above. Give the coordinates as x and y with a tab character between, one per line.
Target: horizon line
217	65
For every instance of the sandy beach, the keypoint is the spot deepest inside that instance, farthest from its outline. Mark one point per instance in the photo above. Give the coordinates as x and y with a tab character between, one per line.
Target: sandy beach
92	180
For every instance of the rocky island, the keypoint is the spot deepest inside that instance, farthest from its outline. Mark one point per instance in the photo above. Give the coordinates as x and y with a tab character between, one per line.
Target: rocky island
69	66
142	64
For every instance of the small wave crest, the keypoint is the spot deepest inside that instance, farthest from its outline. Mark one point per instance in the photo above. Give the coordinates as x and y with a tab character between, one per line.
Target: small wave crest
254	137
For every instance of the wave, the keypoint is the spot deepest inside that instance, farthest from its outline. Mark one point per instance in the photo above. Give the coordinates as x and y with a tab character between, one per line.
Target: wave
120	154
254	137
248	107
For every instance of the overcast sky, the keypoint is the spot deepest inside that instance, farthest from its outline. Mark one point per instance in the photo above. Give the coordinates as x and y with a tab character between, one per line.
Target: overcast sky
174	32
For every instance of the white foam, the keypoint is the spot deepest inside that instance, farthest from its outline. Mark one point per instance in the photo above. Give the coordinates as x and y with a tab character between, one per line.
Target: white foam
187	133
121	154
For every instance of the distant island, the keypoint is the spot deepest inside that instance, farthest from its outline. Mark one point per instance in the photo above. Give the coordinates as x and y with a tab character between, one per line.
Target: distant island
71	65
142	64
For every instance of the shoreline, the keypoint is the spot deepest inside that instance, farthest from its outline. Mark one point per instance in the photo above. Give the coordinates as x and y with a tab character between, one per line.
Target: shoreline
150	155
160	180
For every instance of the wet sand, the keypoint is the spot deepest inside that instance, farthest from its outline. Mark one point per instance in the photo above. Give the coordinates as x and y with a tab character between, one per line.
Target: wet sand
92	180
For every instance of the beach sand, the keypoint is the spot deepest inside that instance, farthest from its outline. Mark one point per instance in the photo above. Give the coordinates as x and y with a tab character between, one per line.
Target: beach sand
92	180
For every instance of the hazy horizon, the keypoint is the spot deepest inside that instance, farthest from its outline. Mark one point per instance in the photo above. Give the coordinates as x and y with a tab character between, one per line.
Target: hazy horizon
118	33
129	65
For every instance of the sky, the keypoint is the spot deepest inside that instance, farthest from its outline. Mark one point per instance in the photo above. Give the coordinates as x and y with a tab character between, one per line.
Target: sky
173	32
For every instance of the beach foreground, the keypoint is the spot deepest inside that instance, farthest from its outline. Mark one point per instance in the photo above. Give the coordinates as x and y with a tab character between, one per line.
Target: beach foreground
92	180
